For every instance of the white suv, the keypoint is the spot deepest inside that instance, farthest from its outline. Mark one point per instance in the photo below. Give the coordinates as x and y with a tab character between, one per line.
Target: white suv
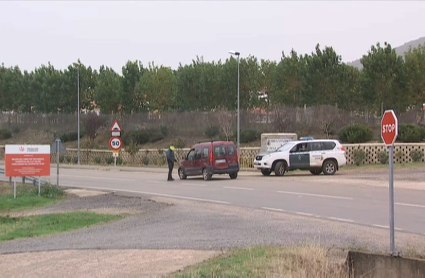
318	156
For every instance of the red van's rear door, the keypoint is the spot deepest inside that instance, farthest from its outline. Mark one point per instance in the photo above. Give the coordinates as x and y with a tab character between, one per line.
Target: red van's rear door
220	160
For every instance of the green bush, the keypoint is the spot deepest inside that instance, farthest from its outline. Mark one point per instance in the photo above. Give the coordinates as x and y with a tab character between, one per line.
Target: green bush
61	158
155	136
164	130
67	137
410	133
109	160
145	160
49	191
74	159
383	157
211	131
249	135
136	136
357	133
416	155
97	160
16	129
68	158
5	133
132	148
399	155
119	161
142	136
359	155
179	143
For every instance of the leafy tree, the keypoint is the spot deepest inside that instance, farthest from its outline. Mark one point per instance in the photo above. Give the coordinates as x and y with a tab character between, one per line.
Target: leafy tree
131	72
323	77
108	93
349	97
267	86
156	88
198	86
290	80
11	86
46	86
415	70
383	82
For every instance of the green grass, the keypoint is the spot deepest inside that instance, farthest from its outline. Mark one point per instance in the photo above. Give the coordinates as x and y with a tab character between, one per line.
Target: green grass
271	261
38	225
27	197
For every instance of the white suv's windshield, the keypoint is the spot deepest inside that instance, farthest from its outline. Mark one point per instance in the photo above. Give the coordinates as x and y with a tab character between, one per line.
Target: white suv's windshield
286	147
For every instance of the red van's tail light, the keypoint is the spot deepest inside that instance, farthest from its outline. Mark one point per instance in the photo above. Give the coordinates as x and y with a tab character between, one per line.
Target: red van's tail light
211	157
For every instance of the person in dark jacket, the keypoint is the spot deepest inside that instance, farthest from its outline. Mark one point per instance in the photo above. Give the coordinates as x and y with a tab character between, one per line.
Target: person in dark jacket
170	160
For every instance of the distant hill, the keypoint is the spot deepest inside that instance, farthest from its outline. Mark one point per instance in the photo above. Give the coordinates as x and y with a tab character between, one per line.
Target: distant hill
399	50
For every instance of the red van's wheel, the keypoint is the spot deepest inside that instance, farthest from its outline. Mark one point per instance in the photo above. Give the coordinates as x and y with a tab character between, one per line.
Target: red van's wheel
206	175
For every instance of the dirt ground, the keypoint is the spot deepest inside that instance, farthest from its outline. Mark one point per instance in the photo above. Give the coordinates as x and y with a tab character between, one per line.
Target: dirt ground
99	263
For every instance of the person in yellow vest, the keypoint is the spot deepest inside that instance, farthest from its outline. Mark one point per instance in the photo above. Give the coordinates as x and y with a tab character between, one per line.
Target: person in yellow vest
170	160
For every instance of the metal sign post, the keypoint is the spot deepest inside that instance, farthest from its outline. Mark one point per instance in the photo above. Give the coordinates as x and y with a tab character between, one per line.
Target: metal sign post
57	160
57	147
14	188
391	188
389	132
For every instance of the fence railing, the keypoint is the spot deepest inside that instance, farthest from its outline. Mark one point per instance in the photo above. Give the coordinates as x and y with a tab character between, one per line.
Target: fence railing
156	157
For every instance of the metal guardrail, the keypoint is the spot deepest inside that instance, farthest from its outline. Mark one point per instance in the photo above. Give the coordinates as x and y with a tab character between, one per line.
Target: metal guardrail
33	180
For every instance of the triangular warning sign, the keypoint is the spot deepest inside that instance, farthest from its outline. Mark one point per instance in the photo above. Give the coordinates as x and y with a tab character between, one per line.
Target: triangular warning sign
115	126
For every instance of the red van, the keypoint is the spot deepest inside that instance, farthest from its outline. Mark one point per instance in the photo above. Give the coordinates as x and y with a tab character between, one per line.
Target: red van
209	158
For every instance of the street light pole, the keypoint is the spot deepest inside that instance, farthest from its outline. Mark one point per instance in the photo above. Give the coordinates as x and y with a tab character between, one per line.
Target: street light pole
78	112
238	120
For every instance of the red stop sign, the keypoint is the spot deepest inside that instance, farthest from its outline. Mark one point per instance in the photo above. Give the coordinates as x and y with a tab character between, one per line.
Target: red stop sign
389	127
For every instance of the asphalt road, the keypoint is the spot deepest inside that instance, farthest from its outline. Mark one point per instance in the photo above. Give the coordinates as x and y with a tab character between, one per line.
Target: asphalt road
348	196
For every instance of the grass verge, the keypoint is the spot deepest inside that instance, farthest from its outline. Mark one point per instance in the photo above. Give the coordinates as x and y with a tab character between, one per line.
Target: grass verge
37	225
271	261
27	197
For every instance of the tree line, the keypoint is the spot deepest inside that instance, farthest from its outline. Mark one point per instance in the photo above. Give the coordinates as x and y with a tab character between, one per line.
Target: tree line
386	81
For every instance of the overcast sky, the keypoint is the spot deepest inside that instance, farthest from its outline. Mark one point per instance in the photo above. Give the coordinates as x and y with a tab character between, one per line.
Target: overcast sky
110	33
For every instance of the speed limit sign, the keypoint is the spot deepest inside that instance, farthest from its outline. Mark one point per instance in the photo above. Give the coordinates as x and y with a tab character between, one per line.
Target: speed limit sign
115	143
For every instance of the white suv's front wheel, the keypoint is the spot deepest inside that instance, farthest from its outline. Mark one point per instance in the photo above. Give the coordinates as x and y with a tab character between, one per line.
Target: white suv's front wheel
329	167
279	168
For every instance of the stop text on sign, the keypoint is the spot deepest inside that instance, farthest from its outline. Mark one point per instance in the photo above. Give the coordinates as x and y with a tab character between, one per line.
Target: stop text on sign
388	128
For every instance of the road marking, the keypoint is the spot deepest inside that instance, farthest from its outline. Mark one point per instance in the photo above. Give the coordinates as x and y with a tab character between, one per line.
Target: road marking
273	209
153	193
97	178
341	219
241	188
380	226
316	195
409	205
193	184
305	214
386	227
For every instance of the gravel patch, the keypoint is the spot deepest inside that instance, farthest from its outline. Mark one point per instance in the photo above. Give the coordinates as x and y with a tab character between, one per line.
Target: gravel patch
171	227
